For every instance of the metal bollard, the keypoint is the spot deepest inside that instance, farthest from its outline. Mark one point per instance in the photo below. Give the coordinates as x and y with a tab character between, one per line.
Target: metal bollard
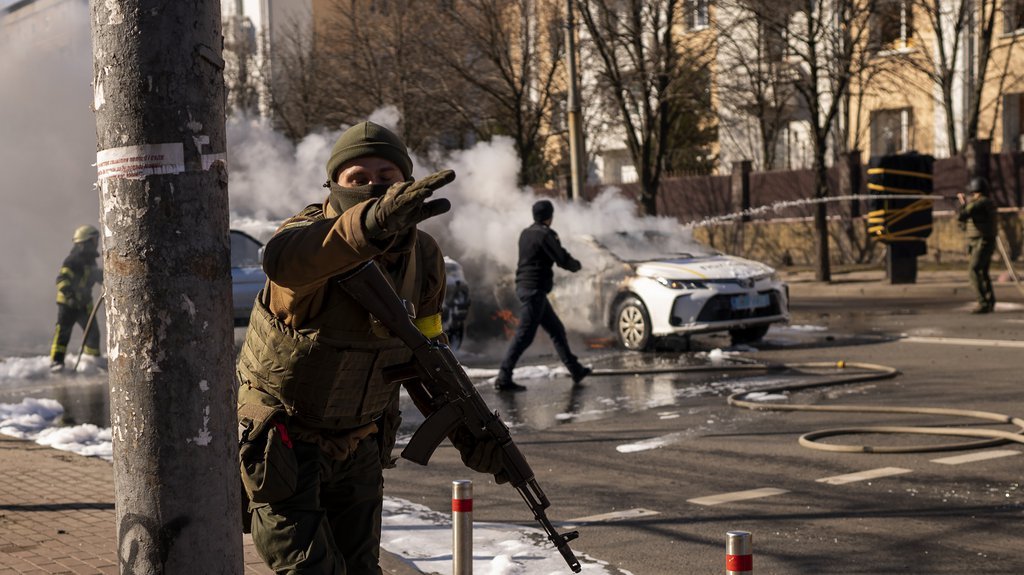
462	527
739	553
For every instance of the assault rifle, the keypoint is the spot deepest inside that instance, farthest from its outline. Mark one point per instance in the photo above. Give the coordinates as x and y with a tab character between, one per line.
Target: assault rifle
442	391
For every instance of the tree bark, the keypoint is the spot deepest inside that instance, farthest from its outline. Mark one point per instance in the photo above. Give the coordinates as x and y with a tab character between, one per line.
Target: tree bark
159	102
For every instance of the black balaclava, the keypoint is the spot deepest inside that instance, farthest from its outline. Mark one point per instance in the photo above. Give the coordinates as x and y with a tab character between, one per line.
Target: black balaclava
359	141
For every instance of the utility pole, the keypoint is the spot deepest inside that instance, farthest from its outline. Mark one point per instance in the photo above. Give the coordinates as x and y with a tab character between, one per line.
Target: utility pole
576	167
158	95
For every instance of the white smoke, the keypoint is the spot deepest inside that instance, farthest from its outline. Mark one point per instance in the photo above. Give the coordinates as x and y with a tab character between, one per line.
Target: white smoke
271	179
47	148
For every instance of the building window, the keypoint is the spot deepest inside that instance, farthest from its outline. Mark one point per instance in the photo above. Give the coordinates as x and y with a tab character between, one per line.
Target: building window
1013	123
1013	16
891	131
892	25
697	17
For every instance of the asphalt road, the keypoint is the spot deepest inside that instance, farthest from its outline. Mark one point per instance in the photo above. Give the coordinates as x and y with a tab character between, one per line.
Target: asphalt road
654	469
905	513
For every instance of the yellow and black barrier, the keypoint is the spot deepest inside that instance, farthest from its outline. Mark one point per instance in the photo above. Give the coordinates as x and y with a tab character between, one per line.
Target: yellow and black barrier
902	222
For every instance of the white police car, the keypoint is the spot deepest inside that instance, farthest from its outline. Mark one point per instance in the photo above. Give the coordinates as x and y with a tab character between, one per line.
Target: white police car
648	289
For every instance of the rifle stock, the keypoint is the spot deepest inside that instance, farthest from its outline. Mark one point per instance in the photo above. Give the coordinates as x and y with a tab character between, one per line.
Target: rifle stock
441	390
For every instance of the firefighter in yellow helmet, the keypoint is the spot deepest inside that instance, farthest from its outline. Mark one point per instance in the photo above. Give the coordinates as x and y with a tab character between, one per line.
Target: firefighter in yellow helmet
78	274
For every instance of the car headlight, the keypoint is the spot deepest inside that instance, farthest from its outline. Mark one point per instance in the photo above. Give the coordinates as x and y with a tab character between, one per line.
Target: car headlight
681	284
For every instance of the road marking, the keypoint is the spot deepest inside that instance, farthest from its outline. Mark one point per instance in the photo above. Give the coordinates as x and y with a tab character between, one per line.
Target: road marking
652	443
737	496
964	341
863	475
977	456
614	516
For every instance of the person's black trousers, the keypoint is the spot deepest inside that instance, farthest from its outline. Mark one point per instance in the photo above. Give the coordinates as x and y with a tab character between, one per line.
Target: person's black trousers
536	312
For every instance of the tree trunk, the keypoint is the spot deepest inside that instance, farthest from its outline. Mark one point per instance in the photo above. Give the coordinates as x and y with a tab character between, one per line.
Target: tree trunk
159	102
823	272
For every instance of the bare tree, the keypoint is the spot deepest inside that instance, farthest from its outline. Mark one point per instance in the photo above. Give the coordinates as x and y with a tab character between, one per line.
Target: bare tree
243	73
377	54
299	79
826	40
641	62
508	53
757	89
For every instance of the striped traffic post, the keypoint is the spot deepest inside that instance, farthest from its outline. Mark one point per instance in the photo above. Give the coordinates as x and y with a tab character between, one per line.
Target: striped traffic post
462	527
739	553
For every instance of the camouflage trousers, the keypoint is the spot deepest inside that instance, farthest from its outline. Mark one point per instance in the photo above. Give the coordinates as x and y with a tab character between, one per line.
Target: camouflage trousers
331	524
981	250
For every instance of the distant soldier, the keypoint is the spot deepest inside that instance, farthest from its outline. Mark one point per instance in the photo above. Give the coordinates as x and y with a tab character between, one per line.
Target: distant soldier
539	251
979	216
75	281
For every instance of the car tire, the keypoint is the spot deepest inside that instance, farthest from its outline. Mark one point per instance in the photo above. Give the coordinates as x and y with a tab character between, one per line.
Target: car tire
633	325
750	334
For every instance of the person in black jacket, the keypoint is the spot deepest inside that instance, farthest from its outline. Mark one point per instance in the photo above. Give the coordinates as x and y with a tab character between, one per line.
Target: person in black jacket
539	250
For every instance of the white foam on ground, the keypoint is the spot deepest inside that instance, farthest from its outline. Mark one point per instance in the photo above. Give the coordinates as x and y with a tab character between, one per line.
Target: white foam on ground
413	531
38	367
424	537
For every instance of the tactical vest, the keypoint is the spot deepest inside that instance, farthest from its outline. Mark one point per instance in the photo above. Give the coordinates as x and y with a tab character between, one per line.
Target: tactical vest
327	373
982	222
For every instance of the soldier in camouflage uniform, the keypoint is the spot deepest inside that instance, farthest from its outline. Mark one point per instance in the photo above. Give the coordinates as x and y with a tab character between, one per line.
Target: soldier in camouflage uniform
78	274
317	420
979	216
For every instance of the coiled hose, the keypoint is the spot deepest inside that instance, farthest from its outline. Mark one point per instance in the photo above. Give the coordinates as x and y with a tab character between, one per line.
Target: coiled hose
874	372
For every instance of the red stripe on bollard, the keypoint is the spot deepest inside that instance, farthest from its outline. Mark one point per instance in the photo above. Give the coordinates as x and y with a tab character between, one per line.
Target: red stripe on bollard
739	553
462	505
739	562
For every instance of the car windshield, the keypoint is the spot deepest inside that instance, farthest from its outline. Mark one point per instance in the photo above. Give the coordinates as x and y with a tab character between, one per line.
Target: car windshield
648	245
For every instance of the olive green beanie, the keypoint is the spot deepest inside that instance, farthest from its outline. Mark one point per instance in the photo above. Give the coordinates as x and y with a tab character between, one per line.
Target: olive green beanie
369	139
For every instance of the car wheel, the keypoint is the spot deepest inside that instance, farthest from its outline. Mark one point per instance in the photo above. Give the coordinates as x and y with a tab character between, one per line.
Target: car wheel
748	334
633	324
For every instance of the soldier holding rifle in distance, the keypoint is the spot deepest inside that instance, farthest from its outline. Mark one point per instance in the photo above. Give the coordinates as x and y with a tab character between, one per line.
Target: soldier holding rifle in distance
979	215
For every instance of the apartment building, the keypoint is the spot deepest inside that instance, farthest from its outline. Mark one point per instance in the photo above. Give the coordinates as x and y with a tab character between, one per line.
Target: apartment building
903	104
915	77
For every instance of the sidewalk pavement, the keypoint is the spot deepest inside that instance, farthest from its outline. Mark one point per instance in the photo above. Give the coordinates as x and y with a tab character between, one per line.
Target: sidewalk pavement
57	515
873	283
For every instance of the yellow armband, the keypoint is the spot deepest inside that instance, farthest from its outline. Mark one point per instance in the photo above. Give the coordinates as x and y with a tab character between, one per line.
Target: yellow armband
429	326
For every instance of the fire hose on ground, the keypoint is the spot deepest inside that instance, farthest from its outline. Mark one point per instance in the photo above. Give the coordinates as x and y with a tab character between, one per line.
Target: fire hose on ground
868	372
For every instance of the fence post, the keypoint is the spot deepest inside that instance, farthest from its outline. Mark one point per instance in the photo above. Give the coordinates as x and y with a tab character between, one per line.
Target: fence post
850	180
740	185
978	158
462	527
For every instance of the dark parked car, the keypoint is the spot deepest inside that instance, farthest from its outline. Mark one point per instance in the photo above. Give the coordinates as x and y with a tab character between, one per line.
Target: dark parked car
247	279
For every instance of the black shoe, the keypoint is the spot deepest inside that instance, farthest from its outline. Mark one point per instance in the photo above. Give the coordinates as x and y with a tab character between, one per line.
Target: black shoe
580	373
57	367
982	309
508	385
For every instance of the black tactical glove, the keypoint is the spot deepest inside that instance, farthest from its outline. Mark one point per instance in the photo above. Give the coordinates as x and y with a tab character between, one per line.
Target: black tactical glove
404	205
483	456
